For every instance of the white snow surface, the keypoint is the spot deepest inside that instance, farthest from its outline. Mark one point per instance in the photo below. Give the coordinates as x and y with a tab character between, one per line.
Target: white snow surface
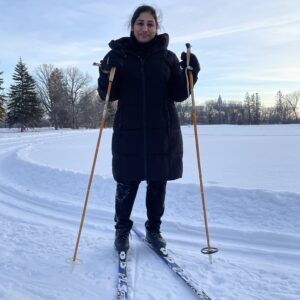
252	190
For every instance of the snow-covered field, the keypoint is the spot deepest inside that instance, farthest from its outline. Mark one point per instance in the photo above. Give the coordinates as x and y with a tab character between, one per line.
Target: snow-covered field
252	188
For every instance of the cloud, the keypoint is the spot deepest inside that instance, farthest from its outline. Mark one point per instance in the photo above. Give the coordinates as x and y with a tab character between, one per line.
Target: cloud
237	28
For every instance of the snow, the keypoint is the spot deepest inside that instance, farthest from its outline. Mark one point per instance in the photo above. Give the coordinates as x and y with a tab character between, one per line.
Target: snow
251	181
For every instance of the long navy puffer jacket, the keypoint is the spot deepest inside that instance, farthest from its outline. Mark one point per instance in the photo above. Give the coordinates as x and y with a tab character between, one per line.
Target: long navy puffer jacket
147	140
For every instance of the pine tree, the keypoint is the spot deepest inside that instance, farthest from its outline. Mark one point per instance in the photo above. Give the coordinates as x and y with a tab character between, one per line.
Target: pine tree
2	98
248	111
24	108
252	107
219	107
257	108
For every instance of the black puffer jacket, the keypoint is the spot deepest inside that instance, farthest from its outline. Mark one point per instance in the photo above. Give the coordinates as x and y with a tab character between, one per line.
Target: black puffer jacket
147	140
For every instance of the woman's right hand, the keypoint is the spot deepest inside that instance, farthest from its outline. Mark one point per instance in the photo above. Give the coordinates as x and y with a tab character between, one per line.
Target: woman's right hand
112	59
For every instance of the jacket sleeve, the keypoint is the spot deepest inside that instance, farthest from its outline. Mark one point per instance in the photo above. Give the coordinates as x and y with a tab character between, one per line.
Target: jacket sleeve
178	82
103	84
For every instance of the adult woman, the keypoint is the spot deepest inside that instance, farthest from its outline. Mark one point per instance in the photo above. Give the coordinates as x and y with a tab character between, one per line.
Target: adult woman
147	141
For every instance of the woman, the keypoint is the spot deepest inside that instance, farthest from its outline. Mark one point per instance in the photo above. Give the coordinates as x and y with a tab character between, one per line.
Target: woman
147	141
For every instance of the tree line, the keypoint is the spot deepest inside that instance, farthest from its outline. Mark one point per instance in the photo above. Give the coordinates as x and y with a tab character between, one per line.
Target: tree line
249	112
63	98
60	98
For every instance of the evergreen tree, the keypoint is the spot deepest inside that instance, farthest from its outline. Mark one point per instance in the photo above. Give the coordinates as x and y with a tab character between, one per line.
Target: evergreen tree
257	109
220	110
252	106
247	105
2	98
24	108
280	108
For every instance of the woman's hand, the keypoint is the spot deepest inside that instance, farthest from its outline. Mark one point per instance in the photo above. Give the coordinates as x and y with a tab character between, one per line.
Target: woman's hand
194	63
111	60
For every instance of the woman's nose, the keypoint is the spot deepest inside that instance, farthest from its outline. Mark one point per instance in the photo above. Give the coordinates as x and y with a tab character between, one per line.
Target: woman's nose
145	27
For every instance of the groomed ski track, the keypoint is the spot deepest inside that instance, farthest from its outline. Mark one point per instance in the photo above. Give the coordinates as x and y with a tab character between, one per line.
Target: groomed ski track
40	210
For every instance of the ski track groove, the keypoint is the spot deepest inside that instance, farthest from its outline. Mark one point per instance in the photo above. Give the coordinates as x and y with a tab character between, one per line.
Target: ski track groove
20	203
64	212
42	207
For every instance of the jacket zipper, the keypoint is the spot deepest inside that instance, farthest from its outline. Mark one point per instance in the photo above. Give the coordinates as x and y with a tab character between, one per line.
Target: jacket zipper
144	115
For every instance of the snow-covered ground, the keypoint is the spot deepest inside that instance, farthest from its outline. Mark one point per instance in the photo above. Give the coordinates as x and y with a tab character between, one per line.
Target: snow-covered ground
252	188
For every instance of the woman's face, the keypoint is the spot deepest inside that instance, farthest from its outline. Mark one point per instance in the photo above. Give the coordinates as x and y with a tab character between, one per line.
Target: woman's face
144	27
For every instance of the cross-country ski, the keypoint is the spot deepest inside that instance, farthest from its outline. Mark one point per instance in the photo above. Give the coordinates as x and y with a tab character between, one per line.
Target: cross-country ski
171	263
122	288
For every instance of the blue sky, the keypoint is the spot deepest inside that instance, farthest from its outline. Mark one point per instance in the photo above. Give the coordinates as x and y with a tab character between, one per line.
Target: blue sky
242	45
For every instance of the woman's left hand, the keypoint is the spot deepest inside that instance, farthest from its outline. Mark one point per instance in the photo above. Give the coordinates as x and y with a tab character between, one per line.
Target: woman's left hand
194	63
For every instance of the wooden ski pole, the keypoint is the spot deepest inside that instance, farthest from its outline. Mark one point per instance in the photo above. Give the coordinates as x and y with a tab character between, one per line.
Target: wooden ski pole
207	250
101	125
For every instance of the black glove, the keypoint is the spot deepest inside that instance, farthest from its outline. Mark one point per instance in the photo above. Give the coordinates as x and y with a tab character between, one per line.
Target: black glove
112	59
194	63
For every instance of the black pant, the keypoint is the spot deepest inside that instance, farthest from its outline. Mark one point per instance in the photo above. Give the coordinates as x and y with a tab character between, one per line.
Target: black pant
155	203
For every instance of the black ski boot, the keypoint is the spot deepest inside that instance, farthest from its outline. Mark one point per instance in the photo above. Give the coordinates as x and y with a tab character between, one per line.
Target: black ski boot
155	239
155	202
125	195
122	240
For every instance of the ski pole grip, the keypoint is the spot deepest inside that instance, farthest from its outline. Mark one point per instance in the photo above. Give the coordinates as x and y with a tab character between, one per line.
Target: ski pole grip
188	54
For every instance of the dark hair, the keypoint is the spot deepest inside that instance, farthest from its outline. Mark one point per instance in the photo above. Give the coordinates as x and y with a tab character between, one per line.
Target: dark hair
142	9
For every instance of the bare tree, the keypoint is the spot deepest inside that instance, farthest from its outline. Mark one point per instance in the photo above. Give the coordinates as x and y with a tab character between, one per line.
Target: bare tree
184	112
90	109
76	82
234	113
210	111
293	101
42	76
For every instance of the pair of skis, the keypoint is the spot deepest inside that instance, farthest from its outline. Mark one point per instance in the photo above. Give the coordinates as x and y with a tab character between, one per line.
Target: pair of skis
170	262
